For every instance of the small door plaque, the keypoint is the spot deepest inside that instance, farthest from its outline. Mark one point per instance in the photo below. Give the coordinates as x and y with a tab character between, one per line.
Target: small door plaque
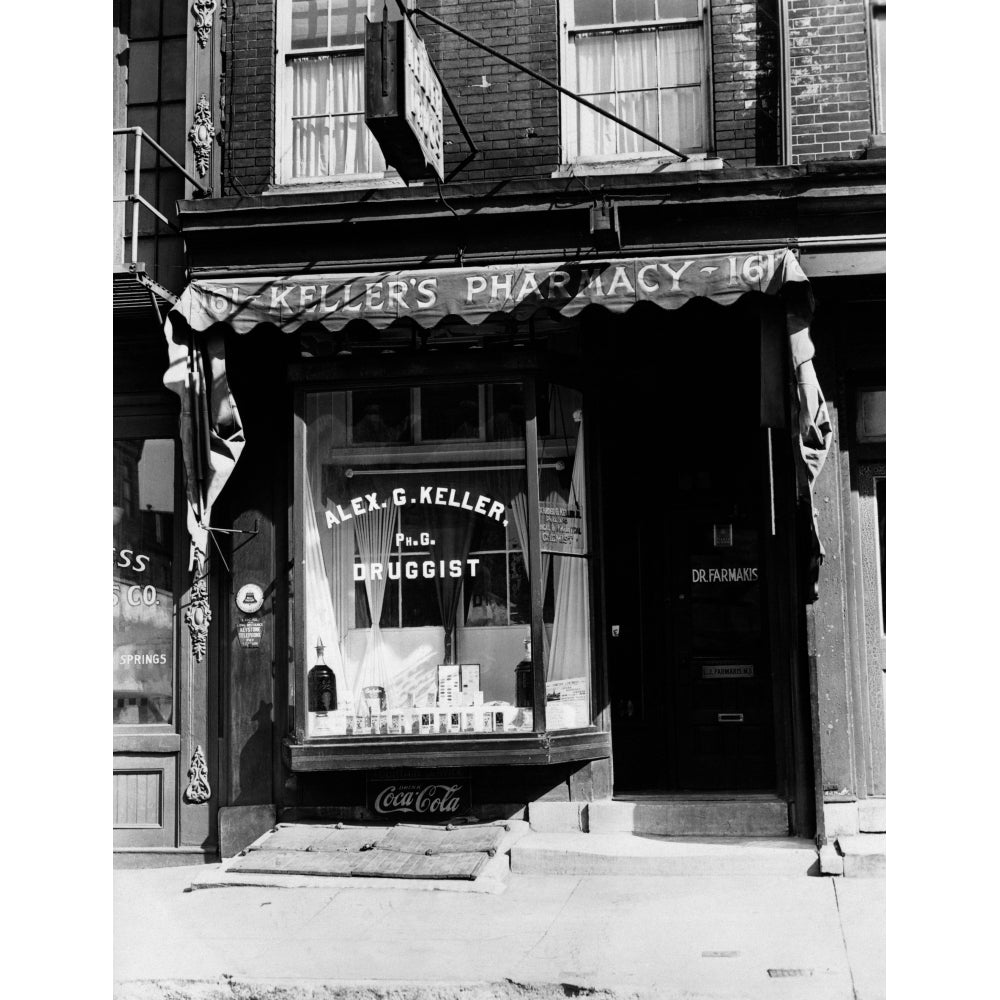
249	631
722	671
722	536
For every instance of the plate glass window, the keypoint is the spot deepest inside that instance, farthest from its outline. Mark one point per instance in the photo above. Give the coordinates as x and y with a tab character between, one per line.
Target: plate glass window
643	60
416	561
143	600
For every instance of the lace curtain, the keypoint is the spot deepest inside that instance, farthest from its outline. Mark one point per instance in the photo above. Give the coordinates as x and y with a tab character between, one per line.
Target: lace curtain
374	536
329	135
570	653
651	79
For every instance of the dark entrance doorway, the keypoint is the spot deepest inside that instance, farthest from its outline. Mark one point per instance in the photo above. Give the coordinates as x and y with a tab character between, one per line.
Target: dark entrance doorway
686	494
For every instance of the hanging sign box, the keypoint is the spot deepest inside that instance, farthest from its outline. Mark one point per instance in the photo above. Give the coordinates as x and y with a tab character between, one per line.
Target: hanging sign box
403	100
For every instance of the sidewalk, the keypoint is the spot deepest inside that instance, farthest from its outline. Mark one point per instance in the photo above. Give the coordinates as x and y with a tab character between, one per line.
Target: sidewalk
682	936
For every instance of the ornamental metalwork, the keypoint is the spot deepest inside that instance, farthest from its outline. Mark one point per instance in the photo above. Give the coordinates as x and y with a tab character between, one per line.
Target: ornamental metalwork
198	789
201	134
203	11
199	615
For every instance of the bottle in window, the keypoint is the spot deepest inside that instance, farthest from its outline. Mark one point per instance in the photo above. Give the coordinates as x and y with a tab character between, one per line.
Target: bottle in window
322	685
524	685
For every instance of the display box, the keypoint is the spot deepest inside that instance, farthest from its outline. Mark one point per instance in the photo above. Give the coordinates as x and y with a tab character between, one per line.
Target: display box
448	686
469	679
567	703
327	724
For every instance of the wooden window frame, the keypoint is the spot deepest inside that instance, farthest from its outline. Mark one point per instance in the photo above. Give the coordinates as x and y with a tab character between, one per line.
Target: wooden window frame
569	109
541	746
283	131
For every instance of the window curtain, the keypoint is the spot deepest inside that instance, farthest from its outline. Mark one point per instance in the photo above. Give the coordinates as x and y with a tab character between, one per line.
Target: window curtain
347	77
681	66
374	534
519	509
322	594
452	533
624	72
570	653
310	127
635	68
595	57
329	135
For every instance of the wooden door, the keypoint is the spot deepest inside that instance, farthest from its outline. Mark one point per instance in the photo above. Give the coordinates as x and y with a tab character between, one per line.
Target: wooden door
723	734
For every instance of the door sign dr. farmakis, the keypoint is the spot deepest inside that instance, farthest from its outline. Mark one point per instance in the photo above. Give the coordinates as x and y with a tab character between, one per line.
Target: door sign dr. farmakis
723	574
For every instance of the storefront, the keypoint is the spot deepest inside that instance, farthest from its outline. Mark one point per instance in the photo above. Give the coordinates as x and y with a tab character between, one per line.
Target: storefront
497	534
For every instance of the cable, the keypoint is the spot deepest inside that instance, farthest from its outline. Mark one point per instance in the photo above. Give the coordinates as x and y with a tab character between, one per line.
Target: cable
444	201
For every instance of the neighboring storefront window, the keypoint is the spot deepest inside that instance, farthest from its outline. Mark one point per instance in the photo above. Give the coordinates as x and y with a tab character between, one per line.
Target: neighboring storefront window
143	507
417	605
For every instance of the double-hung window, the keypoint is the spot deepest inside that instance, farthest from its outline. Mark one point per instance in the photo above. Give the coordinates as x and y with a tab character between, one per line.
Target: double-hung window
644	61
321	132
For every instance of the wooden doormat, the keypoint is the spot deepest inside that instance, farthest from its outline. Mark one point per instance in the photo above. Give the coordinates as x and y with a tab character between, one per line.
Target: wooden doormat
403	851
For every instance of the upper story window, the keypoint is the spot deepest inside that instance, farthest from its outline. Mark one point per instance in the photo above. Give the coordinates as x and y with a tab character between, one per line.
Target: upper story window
321	132
643	60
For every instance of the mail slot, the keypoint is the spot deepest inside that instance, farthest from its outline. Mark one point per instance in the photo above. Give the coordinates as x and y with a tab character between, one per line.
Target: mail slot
730	716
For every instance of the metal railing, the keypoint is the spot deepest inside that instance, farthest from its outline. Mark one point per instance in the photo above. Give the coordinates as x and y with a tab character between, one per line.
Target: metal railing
135	198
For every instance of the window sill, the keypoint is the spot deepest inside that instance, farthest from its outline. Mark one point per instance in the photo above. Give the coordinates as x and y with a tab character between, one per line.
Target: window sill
875	149
363	753
639	165
356	182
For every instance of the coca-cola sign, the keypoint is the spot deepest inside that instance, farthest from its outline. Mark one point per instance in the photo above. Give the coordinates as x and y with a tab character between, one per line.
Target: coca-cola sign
430	799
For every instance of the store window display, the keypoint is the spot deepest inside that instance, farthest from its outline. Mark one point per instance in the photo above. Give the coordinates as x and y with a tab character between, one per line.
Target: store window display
417	559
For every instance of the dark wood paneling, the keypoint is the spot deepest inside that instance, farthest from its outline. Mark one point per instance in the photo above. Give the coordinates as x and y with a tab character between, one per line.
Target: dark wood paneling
830	641
146	742
363	754
256	367
144	790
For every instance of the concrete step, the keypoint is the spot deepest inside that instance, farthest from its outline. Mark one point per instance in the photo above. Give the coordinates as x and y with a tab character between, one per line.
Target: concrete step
666	816
626	854
863	856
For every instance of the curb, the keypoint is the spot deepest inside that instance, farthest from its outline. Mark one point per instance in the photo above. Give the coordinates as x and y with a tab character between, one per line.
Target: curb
232	988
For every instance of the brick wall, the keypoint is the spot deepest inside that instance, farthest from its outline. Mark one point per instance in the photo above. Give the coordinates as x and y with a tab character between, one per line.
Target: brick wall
746	75
248	91
515	120
831	96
